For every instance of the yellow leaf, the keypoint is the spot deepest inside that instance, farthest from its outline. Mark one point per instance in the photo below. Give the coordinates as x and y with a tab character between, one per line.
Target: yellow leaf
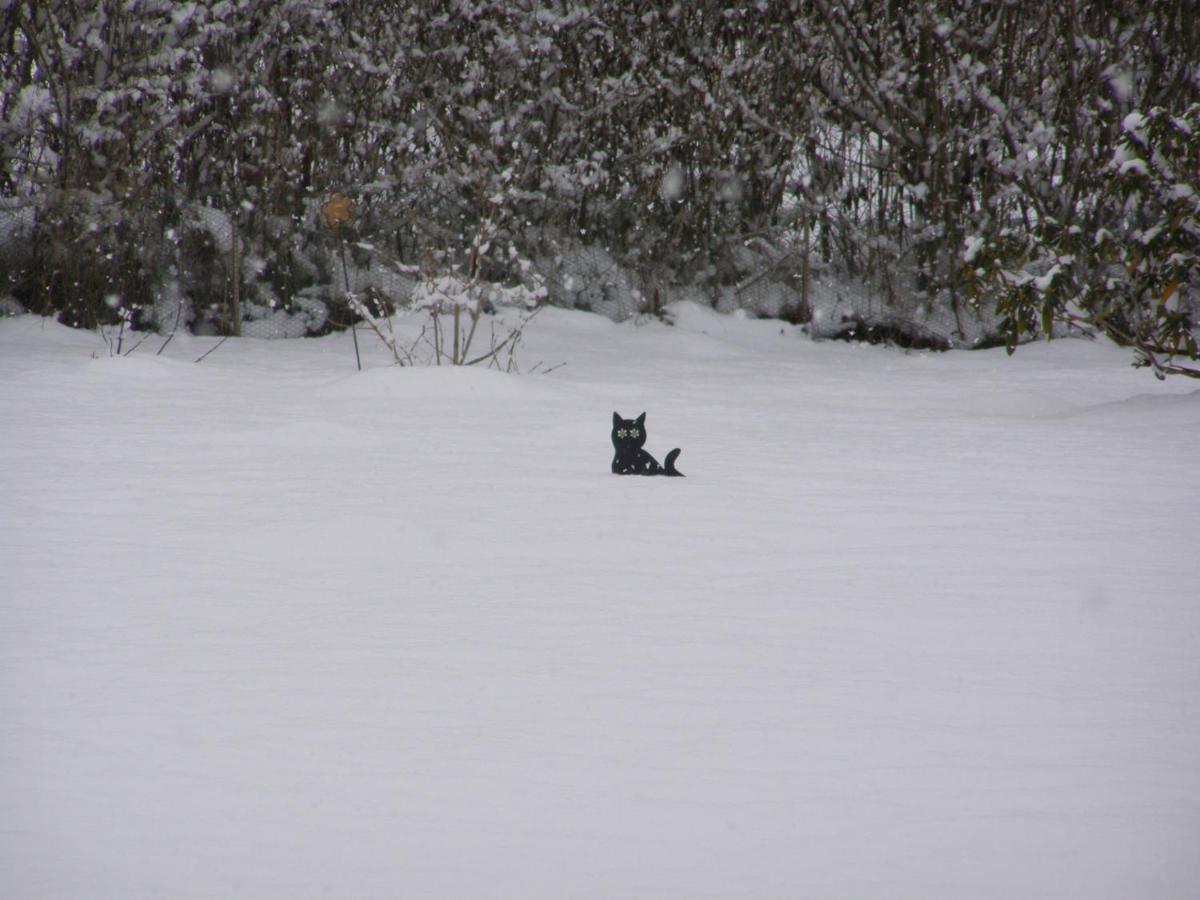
1166	295
338	210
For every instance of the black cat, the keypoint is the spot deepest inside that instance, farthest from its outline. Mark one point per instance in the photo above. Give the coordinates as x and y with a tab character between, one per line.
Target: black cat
628	435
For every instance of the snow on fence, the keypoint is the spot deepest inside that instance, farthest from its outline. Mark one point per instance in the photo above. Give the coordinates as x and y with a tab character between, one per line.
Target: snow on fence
212	270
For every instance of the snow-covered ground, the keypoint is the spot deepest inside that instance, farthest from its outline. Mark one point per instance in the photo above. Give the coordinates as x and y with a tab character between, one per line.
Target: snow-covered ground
914	625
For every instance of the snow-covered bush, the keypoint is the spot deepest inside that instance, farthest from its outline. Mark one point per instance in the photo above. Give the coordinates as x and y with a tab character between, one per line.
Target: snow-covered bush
1149	295
456	307
452	311
1131	270
638	151
587	277
453	299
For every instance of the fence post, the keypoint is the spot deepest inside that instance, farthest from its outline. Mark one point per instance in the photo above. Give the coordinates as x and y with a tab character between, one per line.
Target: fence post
236	266
806	276
337	211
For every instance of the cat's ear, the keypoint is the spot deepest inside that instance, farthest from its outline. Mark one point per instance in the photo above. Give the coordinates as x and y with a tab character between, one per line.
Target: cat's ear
641	420
616	419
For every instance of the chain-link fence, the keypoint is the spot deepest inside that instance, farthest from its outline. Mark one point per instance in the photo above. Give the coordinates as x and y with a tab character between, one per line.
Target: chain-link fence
231	271
17	227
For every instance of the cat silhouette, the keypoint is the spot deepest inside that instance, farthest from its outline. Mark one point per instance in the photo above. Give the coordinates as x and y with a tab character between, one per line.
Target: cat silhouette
628	435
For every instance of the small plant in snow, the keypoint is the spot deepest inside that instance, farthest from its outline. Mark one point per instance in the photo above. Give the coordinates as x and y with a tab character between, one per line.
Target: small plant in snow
124	316
456	297
456	306
380	321
462	296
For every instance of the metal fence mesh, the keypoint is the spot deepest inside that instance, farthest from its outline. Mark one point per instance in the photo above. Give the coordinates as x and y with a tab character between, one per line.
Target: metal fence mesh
219	271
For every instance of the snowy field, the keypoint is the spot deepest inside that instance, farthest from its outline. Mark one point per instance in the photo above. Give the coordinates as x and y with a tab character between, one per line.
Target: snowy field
913	626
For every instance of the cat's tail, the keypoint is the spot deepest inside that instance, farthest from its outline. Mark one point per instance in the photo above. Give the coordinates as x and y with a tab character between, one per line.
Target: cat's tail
669	463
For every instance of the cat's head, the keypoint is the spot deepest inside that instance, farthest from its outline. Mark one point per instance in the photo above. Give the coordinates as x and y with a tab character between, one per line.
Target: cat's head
628	433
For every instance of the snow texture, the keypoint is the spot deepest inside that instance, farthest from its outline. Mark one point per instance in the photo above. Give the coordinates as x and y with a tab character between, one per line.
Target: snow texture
913	626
